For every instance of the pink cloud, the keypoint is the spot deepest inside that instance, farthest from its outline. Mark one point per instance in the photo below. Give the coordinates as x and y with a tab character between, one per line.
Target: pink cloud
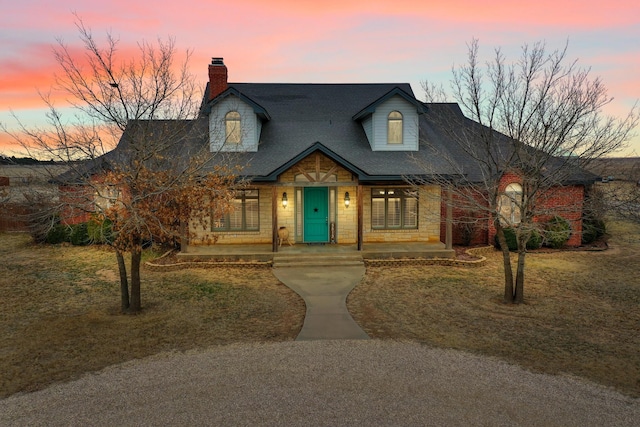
305	41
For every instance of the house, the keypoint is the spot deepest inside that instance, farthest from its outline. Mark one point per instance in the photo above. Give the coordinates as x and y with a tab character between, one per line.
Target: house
618	186
329	164
25	188
325	161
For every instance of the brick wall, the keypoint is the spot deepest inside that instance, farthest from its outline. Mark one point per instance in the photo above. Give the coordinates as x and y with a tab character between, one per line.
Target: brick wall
77	204
469	221
565	201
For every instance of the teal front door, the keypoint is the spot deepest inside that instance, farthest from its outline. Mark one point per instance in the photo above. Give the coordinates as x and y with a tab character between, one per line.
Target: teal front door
316	214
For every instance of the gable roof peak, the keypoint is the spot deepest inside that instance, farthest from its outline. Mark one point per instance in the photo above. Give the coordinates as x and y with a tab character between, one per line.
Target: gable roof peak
396	91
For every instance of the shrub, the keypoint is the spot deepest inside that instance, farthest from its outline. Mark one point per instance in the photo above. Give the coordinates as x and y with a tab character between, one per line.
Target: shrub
534	242
557	232
510	237
99	230
592	229
58	233
78	235
467	231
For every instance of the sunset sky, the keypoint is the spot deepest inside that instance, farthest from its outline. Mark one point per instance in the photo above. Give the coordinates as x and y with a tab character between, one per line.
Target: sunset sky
322	41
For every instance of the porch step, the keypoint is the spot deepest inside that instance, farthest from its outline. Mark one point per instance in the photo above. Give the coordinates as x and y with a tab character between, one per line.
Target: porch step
317	260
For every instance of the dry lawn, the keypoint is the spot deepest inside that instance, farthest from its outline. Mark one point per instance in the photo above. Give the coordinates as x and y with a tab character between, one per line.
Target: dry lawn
581	316
59	312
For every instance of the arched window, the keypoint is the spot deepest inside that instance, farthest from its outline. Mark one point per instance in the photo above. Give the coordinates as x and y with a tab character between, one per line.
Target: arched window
510	203
394	128
233	128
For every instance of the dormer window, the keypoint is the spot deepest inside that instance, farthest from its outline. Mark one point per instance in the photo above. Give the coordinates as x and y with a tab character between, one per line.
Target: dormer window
394	135
233	127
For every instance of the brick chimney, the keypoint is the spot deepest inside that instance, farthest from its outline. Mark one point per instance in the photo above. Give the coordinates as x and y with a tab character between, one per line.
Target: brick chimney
217	77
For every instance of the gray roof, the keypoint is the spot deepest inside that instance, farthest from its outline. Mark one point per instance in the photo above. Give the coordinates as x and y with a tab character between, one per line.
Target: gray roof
299	119
305	117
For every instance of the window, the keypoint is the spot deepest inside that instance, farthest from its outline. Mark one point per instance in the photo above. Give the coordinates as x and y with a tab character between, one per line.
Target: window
394	208
394	128
233	128
106	196
510	203
244	214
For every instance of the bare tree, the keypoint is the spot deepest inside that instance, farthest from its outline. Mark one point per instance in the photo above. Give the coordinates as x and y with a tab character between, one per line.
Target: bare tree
161	174
539	119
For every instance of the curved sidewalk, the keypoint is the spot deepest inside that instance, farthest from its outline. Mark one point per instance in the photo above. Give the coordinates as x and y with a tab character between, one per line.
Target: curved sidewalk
325	290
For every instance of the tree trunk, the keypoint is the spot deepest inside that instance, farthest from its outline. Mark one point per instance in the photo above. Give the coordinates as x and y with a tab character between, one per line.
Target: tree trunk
523	235
506	259
519	294
136	257
124	283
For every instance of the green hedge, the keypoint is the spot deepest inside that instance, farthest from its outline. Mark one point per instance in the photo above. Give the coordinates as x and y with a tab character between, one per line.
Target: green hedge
592	229
85	233
557	232
534	242
99	230
57	234
78	235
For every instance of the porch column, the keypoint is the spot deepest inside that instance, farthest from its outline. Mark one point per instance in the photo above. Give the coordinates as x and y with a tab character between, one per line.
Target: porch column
360	217
274	219
449	220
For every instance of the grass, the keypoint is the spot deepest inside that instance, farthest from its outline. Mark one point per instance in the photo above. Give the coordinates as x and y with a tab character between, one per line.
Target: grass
581	316
59	312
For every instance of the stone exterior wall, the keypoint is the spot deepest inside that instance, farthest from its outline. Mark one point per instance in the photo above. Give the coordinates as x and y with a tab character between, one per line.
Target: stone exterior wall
317	169
203	235
347	217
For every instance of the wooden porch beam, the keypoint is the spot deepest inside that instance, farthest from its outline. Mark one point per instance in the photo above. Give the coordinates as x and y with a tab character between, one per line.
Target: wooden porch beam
359	198
328	174
304	172
449	220
274	219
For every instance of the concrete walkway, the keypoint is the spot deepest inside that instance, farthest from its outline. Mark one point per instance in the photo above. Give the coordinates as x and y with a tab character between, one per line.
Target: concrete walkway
325	290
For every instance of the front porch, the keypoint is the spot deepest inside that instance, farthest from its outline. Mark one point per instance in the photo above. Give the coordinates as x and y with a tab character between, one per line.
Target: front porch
264	252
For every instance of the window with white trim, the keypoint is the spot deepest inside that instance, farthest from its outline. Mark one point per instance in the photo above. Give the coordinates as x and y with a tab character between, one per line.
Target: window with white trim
393	208
394	128
510	203
233	127
244	214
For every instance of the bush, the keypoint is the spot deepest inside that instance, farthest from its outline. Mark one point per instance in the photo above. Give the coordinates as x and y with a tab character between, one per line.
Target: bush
78	235
58	233
510	237
592	229
466	231
557	232
99	230
534	242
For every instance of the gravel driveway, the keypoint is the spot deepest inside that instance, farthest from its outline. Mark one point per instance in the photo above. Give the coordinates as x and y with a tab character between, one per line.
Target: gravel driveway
321	383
